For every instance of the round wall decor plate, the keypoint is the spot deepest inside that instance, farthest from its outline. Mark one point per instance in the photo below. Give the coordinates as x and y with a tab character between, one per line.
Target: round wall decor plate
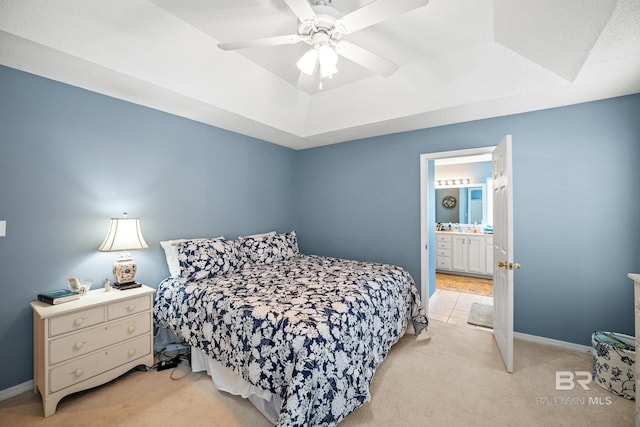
449	202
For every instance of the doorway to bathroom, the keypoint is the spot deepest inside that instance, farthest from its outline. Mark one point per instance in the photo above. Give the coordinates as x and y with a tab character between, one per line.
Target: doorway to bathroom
460	216
464	241
464	223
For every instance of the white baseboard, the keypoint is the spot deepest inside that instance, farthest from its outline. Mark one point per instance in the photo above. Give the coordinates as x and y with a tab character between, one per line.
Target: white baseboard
554	343
8	393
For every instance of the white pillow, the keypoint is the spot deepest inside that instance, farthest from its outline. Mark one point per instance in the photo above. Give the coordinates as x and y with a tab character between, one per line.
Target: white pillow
171	253
260	236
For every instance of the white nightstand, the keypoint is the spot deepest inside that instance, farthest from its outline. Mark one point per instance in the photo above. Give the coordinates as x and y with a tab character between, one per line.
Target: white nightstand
87	342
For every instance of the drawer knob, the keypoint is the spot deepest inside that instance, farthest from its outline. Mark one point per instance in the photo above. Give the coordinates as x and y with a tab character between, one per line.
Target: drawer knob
78	321
132	351
78	372
130	308
131	328
78	345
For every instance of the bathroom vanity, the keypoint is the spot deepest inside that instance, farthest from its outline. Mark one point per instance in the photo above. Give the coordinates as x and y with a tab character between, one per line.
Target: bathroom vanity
464	253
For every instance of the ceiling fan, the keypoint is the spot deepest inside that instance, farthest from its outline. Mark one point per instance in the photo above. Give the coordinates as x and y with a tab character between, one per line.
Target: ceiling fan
319	27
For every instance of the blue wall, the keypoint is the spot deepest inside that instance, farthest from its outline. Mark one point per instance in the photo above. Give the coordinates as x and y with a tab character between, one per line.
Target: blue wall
71	159
575	210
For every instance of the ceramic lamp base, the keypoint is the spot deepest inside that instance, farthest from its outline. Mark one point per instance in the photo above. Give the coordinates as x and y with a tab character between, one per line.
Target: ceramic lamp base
124	270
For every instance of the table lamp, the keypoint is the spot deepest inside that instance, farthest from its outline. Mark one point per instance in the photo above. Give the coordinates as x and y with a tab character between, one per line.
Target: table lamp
124	235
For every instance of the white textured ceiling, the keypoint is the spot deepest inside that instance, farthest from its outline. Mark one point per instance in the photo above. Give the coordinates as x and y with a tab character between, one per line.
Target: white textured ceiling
459	60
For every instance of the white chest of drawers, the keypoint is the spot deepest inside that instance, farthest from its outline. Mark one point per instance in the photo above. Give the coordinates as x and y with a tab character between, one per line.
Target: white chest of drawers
87	342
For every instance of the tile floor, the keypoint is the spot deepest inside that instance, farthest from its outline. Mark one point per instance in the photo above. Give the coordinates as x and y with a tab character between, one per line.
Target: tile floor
453	307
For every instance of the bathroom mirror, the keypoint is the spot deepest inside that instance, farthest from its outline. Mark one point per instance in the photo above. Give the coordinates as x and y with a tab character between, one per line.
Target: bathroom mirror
470	204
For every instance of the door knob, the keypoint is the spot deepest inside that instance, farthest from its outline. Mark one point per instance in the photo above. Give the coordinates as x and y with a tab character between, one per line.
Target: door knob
509	265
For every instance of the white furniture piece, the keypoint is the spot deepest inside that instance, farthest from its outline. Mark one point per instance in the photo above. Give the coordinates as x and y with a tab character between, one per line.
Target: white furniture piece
636	298
467	253
87	342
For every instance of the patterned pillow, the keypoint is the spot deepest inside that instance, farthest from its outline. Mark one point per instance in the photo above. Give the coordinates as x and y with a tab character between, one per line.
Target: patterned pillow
171	253
268	249
202	259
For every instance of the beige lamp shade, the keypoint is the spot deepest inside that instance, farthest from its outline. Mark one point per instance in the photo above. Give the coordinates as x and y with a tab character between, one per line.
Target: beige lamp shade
124	234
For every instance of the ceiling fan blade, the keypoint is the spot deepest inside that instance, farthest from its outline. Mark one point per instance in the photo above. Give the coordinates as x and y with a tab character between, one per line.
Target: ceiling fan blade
264	41
365	58
376	12
302	9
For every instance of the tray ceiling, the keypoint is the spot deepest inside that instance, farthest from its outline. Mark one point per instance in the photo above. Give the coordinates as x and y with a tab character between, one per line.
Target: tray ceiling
459	60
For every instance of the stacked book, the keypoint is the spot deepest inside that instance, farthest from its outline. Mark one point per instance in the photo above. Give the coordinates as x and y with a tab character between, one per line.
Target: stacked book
58	296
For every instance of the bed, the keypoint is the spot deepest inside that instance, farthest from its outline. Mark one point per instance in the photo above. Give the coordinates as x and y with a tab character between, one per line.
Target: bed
299	335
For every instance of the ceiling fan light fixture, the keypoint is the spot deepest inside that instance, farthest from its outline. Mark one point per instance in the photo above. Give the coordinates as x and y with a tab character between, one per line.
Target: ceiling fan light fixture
321	26
328	59
307	62
327	55
327	69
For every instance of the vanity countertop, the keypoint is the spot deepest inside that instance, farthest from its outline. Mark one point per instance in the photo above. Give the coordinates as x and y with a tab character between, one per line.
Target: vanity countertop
479	233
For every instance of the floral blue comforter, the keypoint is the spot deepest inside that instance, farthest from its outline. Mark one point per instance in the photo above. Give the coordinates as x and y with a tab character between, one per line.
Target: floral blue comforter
310	329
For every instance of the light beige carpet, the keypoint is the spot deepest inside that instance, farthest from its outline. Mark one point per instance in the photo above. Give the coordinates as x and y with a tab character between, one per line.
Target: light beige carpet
451	376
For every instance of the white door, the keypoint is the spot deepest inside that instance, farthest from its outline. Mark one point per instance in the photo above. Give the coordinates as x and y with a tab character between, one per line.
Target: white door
503	251
489	255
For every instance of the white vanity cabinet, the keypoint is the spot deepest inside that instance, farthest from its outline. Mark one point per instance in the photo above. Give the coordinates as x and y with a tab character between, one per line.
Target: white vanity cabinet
476	247
467	253
460	253
87	342
443	254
